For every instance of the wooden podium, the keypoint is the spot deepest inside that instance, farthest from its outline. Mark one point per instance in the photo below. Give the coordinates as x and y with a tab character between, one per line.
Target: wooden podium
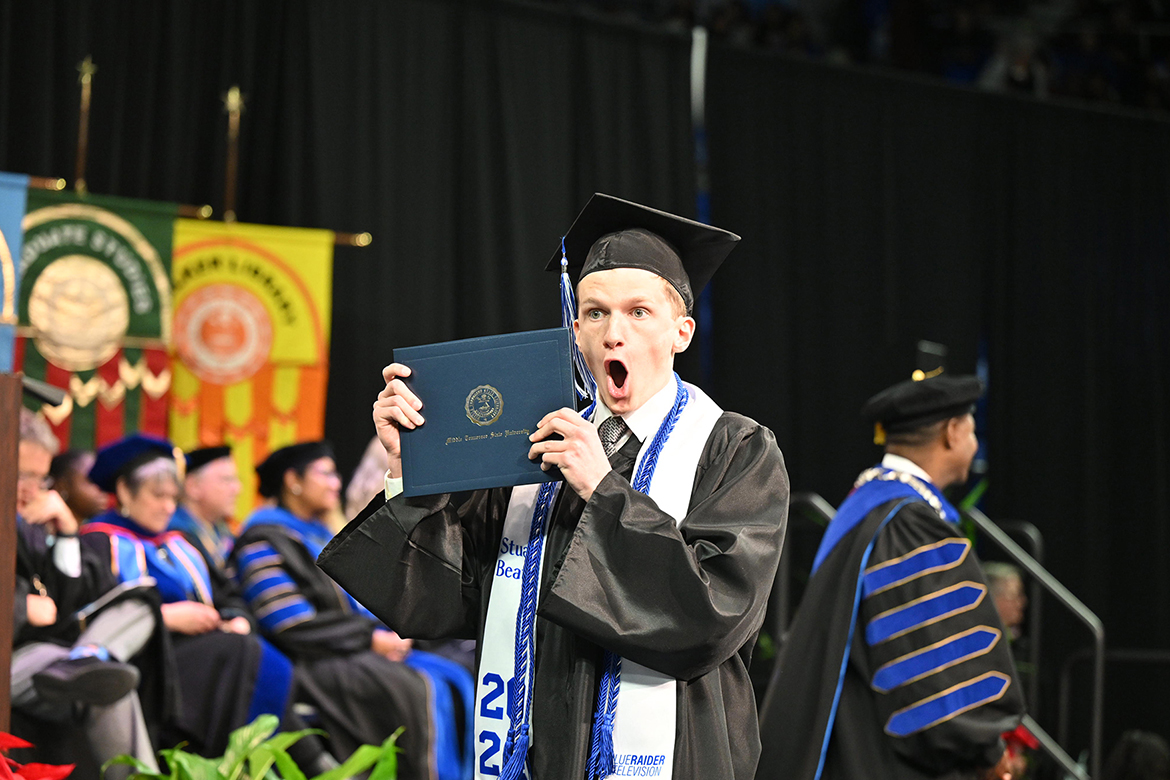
10	396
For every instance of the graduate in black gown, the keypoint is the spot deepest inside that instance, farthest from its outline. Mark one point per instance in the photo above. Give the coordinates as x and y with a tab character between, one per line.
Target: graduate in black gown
228	675
896	664
364	680
653	578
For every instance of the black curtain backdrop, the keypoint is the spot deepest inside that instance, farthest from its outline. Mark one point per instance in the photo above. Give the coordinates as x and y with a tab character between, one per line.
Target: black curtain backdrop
878	210
463	136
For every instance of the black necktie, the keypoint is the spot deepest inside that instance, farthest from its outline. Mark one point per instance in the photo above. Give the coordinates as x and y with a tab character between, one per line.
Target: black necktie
610	432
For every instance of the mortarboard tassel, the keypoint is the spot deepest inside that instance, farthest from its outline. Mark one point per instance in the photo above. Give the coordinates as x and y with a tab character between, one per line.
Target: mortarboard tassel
585	384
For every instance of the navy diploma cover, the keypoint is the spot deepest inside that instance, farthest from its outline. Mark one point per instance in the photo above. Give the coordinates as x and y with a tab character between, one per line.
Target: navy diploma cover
482	398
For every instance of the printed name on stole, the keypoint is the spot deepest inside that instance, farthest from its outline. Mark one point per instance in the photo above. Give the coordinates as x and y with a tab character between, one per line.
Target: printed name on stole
635	765
486	436
516	551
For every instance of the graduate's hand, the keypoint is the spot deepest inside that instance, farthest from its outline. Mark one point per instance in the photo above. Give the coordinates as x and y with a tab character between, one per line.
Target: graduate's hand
395	408
50	510
578	454
40	610
389	644
190	617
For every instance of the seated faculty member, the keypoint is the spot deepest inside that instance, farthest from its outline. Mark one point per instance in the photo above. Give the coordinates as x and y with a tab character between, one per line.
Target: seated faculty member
211	486
65	670
647	579
364	680
896	665
227	674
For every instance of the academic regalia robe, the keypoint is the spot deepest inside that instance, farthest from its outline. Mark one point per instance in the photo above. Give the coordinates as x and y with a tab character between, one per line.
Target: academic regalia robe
928	685
37	572
360	696
214	542
686	599
226	679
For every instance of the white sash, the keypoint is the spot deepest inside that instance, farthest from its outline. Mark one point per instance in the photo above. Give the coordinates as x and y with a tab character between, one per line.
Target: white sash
644	722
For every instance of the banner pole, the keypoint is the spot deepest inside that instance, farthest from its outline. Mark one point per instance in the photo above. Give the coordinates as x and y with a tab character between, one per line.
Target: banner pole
56	185
233	103
86	68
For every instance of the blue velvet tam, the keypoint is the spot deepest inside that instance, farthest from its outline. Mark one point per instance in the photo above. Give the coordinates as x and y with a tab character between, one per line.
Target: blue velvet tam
920	401
125	455
197	459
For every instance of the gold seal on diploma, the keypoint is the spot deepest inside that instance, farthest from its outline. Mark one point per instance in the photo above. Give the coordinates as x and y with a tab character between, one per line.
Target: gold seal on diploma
484	405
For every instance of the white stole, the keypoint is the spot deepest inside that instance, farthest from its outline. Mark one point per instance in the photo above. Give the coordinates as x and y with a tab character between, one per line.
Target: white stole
644	722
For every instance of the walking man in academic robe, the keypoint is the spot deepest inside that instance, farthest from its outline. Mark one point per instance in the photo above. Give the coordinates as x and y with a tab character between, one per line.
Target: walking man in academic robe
655	560
896	666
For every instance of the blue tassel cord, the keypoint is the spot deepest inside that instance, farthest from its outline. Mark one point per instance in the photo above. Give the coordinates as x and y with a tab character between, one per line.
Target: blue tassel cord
585	383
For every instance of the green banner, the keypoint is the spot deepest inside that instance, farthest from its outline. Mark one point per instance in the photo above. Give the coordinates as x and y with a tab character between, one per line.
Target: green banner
95	311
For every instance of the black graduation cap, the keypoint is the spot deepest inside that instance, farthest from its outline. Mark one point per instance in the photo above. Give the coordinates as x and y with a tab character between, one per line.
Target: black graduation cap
294	456
614	233
920	401
197	459
125	455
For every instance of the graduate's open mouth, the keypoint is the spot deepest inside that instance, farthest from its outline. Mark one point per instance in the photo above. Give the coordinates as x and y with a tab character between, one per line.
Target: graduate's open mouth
616	375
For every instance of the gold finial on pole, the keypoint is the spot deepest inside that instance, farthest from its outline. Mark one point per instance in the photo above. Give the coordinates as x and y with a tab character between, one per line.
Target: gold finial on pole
86	68
352	239
233	103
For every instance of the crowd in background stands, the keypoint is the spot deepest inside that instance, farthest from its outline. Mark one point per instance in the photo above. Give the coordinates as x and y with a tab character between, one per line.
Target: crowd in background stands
1106	51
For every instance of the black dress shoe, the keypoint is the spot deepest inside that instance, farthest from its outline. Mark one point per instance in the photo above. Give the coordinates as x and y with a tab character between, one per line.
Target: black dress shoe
89	680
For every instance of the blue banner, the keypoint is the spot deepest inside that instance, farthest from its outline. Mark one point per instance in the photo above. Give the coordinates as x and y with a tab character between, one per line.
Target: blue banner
13	197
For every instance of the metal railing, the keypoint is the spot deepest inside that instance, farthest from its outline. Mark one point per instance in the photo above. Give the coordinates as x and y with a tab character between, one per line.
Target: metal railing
1062	594
1133	656
1035	542
1052	748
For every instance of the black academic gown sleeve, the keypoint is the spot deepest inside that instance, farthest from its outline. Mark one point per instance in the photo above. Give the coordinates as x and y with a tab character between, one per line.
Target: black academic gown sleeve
442	554
20	610
36	570
946	735
332	628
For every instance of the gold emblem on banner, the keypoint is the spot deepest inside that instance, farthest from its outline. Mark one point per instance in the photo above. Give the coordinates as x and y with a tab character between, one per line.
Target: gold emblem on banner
80	313
8	271
484	405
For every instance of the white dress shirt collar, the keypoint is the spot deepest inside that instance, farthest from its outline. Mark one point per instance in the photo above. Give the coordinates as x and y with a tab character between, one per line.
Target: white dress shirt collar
898	463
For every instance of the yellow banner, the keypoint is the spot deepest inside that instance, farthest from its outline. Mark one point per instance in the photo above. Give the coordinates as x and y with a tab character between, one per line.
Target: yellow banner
251	339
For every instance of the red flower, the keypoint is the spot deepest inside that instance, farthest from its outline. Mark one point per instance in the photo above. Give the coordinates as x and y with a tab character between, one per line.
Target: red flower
12	770
1019	738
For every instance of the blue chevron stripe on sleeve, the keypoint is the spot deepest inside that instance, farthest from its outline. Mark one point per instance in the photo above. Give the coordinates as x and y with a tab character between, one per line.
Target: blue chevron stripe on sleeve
937	556
922	663
923	611
948	704
286	611
257	555
267	583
